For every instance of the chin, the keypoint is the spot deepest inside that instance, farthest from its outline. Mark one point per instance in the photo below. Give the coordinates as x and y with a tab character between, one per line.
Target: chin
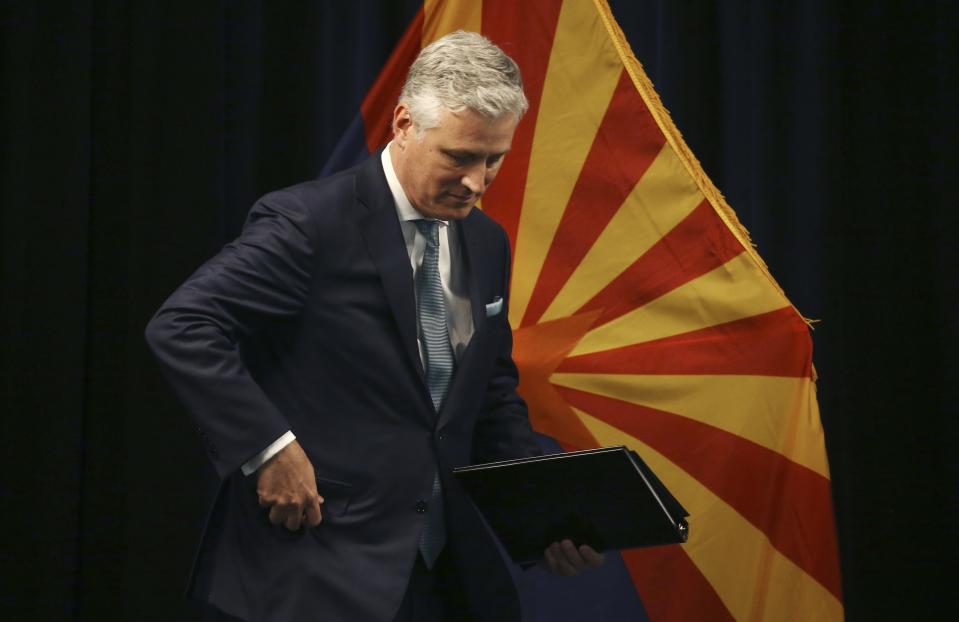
455	211
459	212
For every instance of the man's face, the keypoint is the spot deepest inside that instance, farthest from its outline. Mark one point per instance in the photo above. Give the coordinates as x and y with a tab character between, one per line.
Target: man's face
444	170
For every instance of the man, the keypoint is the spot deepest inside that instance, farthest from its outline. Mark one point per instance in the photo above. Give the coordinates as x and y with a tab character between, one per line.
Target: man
345	353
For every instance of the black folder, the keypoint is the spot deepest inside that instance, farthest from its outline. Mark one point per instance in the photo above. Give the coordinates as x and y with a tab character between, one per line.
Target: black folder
607	498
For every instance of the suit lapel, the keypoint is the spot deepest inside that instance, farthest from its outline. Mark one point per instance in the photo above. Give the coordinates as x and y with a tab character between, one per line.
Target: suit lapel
384	240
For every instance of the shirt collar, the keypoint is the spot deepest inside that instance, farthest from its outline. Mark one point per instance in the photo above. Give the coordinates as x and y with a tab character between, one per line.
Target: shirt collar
404	209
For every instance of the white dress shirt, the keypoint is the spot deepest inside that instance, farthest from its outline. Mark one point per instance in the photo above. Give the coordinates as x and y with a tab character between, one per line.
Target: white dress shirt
455	292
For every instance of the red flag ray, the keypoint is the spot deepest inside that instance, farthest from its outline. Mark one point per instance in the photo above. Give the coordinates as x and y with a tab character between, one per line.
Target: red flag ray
764	345
658	570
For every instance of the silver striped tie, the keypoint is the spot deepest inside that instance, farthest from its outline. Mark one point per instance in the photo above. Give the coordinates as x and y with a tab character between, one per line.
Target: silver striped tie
439	364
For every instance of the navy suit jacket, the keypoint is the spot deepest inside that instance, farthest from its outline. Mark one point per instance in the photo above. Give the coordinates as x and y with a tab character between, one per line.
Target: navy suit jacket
307	322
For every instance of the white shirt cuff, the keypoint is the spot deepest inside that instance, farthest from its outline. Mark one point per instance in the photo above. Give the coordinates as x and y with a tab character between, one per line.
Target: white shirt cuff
257	461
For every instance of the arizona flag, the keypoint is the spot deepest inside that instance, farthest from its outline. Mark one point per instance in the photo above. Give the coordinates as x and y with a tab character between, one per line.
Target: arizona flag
643	316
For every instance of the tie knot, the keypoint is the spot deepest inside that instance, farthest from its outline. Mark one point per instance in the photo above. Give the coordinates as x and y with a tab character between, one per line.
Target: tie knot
429	229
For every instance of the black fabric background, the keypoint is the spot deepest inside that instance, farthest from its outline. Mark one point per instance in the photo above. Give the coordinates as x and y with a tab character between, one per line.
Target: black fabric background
135	136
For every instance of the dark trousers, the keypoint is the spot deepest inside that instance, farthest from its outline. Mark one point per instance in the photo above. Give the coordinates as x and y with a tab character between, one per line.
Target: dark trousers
433	595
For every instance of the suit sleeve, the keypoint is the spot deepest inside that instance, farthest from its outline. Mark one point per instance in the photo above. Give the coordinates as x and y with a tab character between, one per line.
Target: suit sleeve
503	430
261	277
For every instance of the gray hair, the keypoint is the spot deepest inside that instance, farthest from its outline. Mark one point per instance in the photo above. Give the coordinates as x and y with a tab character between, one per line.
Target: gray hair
463	70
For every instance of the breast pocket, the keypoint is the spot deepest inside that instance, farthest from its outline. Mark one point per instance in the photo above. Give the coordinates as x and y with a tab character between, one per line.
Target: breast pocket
494	308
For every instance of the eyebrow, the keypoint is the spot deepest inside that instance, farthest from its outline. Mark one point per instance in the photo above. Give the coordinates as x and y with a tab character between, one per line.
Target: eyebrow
460	153
465	154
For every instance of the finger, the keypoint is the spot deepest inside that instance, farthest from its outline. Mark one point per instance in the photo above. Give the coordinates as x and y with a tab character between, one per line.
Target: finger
550	560
293	519
557	561
572	557
565	568
312	516
277	515
262	500
592	558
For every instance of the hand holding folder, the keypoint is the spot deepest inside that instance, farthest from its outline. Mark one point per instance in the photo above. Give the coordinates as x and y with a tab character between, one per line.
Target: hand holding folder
566	559
605	498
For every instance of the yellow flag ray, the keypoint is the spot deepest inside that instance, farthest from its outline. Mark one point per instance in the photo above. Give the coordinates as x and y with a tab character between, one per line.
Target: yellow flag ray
754	580
662	197
441	17
733	291
727	402
582	74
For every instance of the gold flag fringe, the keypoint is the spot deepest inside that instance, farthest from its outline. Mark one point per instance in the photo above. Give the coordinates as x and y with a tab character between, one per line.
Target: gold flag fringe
675	139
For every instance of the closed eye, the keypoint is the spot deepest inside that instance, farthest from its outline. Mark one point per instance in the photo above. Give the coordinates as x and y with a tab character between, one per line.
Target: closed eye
459	158
465	158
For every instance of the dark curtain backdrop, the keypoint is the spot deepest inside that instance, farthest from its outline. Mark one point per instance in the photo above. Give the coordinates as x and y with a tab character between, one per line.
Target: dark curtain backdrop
135	136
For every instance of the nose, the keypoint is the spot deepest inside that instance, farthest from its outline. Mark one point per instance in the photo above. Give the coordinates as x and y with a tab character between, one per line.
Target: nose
476	178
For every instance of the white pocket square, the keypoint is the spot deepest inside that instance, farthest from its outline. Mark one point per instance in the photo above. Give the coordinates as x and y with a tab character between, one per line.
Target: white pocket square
494	307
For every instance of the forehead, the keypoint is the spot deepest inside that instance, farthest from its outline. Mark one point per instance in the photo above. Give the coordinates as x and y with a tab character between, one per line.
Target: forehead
469	130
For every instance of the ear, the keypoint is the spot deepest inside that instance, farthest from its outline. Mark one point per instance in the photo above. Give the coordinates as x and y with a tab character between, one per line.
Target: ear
403	130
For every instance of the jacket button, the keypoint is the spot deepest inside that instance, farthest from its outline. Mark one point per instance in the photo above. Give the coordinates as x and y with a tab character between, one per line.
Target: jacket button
441	436
421	507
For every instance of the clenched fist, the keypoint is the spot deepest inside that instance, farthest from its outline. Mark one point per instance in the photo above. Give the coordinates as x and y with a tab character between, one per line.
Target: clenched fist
286	484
